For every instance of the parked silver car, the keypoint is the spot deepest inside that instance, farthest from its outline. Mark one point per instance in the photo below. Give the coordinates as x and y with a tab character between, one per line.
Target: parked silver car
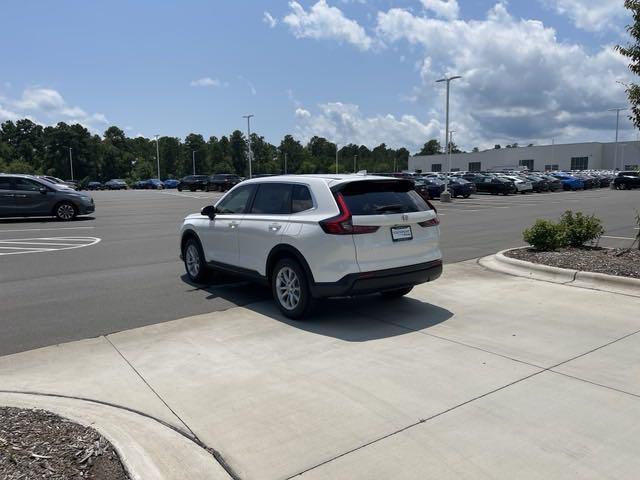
28	196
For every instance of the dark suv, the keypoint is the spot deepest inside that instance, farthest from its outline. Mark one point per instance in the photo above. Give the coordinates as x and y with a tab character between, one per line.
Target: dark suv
627	180
27	196
221	182
193	183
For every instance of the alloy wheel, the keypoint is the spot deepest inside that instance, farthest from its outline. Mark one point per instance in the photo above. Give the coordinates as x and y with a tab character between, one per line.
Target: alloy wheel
66	211
288	288
192	258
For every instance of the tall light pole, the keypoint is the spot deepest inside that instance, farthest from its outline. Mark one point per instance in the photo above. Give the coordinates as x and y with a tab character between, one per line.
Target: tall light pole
71	161
355	162
449	143
248	117
336	158
615	155
193	159
285	162
158	156
448	80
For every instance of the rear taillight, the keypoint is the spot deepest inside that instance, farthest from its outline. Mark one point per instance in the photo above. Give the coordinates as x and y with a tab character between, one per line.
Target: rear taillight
434	222
341	224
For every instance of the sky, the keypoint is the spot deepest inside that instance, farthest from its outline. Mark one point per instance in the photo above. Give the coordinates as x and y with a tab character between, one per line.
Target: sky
353	71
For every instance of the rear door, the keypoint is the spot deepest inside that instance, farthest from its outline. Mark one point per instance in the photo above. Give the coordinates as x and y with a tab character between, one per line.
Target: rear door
407	232
29	200
263	226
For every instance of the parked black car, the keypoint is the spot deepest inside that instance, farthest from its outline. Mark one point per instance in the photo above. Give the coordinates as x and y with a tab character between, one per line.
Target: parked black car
460	187
539	184
627	180
221	182
555	184
490	184
115	184
94	186
193	183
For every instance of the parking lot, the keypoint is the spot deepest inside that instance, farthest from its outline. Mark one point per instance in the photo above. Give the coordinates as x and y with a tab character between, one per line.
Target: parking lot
120	269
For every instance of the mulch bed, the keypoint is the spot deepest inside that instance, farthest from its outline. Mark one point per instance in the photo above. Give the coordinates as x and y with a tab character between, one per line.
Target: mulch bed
36	444
611	261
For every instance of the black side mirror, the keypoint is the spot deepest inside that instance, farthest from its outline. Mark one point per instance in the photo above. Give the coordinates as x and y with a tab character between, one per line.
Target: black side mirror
209	211
44	190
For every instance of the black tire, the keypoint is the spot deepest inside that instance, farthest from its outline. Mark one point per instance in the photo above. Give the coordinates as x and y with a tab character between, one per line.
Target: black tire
466	195
392	294
65	211
179	189
289	270
194	262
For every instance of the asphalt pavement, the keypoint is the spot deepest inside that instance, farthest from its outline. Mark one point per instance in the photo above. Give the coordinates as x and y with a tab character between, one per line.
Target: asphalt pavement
120	269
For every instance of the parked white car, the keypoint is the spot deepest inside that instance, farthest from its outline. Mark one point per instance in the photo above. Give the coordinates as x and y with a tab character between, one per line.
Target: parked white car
522	186
317	236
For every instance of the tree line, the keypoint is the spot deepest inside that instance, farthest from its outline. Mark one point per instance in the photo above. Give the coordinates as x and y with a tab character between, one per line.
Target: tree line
27	147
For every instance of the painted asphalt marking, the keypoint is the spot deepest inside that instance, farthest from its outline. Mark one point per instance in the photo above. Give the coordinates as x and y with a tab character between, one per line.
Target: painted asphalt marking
45	244
42	229
177	194
618	238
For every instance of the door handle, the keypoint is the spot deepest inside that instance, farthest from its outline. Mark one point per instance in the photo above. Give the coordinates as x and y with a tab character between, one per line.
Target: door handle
20	196
8	195
274	227
233	224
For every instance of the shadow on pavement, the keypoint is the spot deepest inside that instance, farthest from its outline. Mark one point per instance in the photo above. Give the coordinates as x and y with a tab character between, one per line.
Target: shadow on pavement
352	319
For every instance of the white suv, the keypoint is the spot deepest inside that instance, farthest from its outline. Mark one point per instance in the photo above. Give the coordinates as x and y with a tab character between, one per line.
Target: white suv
317	236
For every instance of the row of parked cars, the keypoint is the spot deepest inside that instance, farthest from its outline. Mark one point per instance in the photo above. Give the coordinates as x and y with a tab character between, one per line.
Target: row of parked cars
464	184
219	182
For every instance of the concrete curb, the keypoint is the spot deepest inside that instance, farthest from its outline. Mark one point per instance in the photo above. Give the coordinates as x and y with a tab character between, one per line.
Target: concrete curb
600	281
147	448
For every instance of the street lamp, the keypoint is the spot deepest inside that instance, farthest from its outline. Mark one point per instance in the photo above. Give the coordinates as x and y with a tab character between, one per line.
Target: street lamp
615	156
336	158
158	156
446	197
193	159
248	117
355	162
449	143
71	161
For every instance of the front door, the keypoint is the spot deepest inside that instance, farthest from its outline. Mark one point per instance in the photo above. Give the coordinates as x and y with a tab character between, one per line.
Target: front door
220	239
7	197
29	200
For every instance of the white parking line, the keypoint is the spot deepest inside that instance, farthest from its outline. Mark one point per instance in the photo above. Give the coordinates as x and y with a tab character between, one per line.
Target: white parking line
177	194
42	229
618	238
39	245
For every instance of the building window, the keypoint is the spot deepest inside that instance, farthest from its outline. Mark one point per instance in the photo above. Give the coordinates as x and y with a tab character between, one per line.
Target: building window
528	164
455	169
579	163
436	167
631	167
549	168
475	166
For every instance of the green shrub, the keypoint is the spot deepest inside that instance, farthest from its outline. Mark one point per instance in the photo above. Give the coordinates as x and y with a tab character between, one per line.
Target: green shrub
544	235
579	229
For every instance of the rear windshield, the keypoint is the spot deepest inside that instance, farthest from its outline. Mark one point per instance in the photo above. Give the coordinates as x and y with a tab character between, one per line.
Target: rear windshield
382	197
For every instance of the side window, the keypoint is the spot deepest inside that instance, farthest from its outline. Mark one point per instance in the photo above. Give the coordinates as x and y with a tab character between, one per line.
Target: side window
301	199
273	198
27	185
236	201
5	183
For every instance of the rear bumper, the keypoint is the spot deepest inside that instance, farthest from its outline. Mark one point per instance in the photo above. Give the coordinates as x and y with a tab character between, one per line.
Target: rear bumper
379	281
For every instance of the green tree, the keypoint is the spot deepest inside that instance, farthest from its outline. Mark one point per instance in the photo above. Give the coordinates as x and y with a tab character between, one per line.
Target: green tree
238	150
432	147
632	52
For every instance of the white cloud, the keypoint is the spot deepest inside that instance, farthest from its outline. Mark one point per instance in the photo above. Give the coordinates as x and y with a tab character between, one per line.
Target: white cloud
345	123
443	8
591	15
519	82
325	22
47	106
206	82
269	20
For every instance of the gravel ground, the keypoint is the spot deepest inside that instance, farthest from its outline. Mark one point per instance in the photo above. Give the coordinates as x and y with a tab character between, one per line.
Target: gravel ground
36	444
612	261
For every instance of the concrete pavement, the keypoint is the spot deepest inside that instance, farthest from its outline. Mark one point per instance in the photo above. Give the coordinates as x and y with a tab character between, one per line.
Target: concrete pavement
478	375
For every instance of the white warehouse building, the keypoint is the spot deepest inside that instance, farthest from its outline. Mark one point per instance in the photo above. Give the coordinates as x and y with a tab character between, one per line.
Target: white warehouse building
572	156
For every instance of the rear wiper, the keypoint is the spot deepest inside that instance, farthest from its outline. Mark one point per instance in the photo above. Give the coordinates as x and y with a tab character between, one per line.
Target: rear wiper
391	208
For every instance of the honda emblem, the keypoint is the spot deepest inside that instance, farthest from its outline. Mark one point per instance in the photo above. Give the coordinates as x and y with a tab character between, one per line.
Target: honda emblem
405	217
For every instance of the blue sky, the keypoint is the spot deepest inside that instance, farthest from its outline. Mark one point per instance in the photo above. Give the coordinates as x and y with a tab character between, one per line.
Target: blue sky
357	71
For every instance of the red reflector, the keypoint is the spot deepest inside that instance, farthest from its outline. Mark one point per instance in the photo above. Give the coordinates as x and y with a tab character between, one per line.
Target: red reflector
430	223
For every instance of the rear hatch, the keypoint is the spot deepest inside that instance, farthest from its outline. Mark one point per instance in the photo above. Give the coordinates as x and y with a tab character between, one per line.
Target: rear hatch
392	225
